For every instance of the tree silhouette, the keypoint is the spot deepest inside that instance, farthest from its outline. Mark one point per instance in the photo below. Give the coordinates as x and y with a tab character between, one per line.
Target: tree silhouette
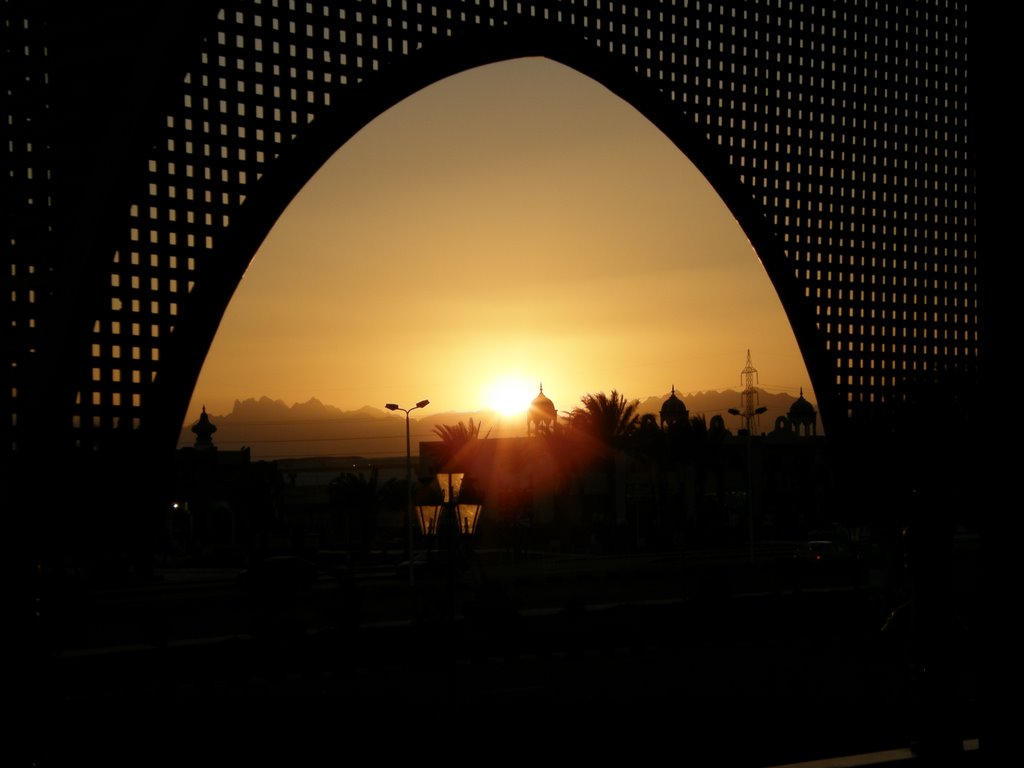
610	419
458	441
458	434
650	460
607	422
357	498
648	441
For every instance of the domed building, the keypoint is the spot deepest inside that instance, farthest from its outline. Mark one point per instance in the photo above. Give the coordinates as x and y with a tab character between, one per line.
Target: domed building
802	417
541	415
673	410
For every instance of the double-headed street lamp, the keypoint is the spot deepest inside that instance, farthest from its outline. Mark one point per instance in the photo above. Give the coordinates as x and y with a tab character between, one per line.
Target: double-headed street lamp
408	479
748	416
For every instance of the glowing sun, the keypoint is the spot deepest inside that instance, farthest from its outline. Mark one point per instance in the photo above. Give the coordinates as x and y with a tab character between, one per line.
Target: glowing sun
509	395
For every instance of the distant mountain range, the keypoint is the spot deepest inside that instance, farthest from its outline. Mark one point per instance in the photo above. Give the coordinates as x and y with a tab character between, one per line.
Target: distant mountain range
274	430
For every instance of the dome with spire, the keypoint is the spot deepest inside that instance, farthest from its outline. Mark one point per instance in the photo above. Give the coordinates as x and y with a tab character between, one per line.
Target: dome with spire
673	410
803	416
541	413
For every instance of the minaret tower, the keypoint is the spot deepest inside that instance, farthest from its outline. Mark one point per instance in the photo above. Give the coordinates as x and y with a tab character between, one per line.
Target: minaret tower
204	430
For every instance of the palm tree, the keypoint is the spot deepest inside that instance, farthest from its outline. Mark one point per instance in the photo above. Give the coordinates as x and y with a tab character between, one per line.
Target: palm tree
611	419
648	441
458	441
608	422
458	434
647	450
357	498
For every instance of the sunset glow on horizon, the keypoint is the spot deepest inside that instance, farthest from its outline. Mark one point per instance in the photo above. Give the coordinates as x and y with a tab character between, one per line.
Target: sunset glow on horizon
509	394
513	225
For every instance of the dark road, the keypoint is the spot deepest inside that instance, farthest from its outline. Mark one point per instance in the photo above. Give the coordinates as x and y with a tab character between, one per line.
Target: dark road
803	673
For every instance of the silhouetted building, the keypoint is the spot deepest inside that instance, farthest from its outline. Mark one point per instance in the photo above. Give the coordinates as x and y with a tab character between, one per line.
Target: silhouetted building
673	410
225	506
541	415
803	418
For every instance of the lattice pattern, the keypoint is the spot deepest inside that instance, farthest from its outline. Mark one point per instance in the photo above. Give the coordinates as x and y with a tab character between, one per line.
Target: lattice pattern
27	202
845	123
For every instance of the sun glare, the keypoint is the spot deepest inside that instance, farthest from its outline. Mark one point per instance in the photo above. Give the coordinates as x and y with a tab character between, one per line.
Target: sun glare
510	394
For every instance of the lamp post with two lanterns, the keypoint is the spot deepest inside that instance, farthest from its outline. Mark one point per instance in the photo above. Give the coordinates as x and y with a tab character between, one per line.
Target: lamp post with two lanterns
463	515
461	520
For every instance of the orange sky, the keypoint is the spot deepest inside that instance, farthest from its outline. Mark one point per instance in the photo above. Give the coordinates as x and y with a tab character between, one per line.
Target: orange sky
515	222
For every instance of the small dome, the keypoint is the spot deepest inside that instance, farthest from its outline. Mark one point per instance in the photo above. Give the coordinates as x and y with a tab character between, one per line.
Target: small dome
673	410
802	416
542	411
801	409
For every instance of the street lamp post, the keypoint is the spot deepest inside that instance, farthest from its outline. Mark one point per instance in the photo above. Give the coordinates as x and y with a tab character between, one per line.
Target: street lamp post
408	479
748	420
